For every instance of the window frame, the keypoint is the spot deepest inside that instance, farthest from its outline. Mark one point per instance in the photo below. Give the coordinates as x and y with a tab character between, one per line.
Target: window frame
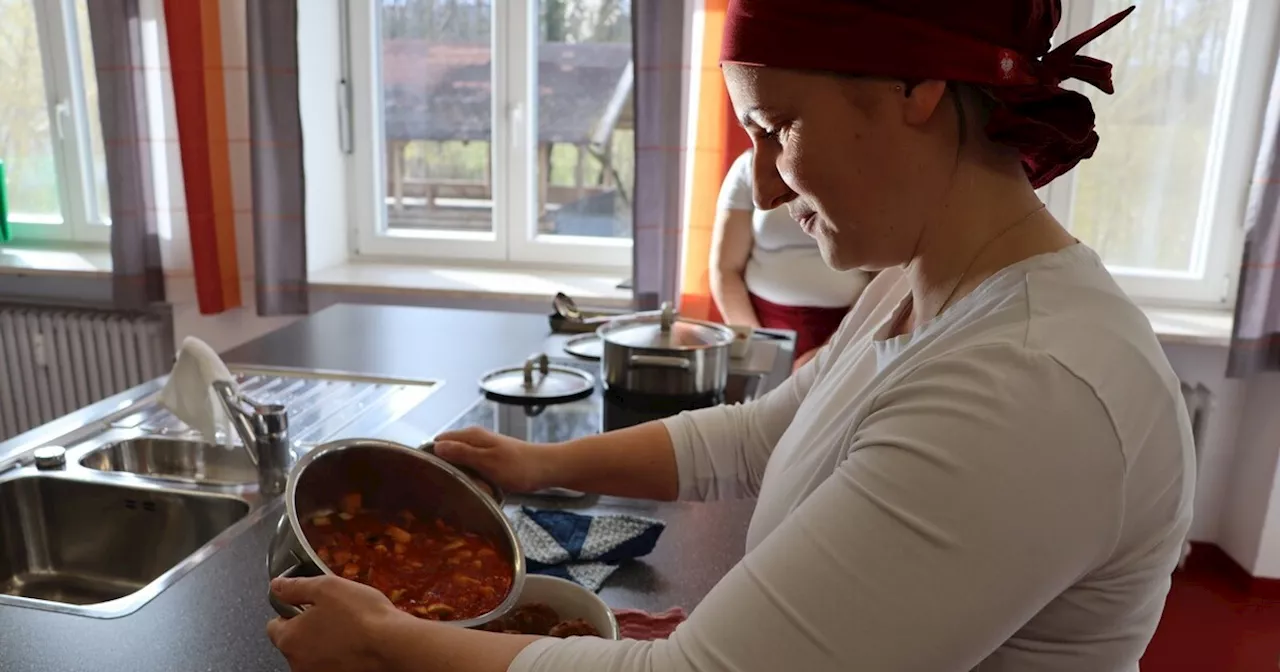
1241	106
512	240
64	78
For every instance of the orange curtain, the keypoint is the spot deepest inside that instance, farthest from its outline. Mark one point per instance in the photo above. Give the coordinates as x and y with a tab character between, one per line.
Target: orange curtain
719	141
199	94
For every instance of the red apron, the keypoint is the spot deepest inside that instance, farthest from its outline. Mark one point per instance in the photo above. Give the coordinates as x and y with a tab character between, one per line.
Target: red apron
813	326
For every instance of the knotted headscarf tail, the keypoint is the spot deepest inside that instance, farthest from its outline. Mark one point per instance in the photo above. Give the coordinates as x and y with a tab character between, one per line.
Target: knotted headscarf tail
1001	46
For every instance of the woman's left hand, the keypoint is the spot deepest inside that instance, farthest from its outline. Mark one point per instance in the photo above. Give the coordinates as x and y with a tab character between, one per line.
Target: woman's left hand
338	629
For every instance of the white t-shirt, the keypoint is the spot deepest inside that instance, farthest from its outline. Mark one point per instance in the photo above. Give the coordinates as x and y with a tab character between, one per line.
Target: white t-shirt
1004	489
786	266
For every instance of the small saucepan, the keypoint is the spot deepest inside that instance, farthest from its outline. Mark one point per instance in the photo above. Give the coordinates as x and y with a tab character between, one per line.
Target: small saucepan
390	477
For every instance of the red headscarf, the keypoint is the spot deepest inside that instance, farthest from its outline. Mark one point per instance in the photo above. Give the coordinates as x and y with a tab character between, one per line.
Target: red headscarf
999	45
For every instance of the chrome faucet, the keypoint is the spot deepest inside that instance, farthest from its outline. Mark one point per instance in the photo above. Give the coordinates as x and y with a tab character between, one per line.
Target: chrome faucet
264	430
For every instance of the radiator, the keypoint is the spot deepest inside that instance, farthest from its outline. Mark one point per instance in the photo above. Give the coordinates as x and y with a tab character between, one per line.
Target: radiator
55	361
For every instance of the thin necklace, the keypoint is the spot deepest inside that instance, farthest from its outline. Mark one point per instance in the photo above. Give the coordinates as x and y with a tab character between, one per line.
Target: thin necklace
960	280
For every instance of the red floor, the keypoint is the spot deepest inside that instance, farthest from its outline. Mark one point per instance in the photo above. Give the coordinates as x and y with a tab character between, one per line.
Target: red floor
1211	624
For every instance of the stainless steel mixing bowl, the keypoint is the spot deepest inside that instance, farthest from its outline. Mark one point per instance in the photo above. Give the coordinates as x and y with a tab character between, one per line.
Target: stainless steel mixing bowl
390	477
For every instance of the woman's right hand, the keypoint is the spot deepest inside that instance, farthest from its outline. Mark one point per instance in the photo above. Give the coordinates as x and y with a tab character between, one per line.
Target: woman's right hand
509	463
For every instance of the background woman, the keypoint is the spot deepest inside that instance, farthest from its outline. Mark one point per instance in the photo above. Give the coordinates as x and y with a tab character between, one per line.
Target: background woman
767	272
989	467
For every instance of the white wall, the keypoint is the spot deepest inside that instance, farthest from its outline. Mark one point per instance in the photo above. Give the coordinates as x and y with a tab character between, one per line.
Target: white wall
1207	366
1238	486
1251	524
223	331
1263	421
1237	491
319	72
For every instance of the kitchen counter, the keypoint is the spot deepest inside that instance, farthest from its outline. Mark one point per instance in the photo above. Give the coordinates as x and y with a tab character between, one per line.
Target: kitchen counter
213	618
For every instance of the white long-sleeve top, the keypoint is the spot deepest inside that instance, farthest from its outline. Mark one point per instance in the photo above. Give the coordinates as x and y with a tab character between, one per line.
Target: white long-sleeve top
1004	489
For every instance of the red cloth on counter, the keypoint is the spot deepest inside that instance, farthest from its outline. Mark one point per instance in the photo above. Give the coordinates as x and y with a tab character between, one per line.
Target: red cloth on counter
636	624
1001	46
813	326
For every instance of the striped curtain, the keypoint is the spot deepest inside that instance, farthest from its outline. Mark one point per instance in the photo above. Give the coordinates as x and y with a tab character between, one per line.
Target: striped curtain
137	275
241	154
720	139
1255	340
279	187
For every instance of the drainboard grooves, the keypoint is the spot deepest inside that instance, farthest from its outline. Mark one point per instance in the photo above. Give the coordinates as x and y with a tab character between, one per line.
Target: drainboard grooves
316	394
323	407
368	400
320	407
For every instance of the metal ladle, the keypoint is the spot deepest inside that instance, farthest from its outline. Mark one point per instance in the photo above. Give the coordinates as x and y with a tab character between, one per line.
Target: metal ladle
566	308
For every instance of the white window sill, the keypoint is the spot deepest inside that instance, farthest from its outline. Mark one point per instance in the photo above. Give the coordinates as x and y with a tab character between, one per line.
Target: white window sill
593	289
1182	326
1174	326
41	261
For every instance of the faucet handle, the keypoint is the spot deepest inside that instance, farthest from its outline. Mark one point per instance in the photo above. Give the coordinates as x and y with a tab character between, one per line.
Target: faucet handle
235	400
272	420
264	431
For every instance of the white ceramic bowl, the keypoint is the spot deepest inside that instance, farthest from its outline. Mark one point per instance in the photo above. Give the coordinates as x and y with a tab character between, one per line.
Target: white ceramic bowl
570	601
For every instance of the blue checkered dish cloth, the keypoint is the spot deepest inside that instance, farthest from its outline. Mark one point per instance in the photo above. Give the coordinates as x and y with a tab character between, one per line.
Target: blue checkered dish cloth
582	549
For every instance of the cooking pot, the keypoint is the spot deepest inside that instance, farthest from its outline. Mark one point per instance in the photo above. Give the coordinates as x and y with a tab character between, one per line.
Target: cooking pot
390	477
665	355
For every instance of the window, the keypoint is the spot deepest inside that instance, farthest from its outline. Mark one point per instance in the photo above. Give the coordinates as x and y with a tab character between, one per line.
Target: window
50	134
1162	199
497	130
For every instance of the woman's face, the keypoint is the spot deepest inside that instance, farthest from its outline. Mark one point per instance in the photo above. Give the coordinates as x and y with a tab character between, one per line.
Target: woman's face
859	163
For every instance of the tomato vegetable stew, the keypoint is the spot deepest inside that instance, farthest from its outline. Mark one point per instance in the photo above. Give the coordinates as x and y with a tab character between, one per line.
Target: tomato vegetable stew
540	619
424	566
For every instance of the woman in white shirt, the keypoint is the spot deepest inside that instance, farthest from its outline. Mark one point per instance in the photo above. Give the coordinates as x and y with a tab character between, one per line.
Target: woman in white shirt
990	465
767	272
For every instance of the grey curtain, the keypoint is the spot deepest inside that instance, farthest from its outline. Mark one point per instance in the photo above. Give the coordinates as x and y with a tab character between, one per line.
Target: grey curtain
658	28
279	186
137	273
1255	340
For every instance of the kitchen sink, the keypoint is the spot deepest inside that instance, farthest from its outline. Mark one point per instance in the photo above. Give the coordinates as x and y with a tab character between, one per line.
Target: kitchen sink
170	459
80	543
107	507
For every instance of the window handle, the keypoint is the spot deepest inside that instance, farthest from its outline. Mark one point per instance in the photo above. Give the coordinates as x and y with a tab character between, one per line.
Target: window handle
517	124
61	115
345	129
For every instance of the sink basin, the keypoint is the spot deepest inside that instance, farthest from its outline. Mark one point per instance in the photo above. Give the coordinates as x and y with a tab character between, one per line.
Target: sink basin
188	461
75	542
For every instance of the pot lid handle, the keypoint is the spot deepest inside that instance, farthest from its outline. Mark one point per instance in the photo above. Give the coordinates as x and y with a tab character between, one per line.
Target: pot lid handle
539	360
668	316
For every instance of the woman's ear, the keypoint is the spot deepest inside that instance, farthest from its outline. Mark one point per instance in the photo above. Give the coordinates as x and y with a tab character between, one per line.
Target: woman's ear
922	100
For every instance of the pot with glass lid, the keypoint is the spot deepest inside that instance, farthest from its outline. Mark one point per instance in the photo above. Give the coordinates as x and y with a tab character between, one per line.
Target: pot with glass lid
665	355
